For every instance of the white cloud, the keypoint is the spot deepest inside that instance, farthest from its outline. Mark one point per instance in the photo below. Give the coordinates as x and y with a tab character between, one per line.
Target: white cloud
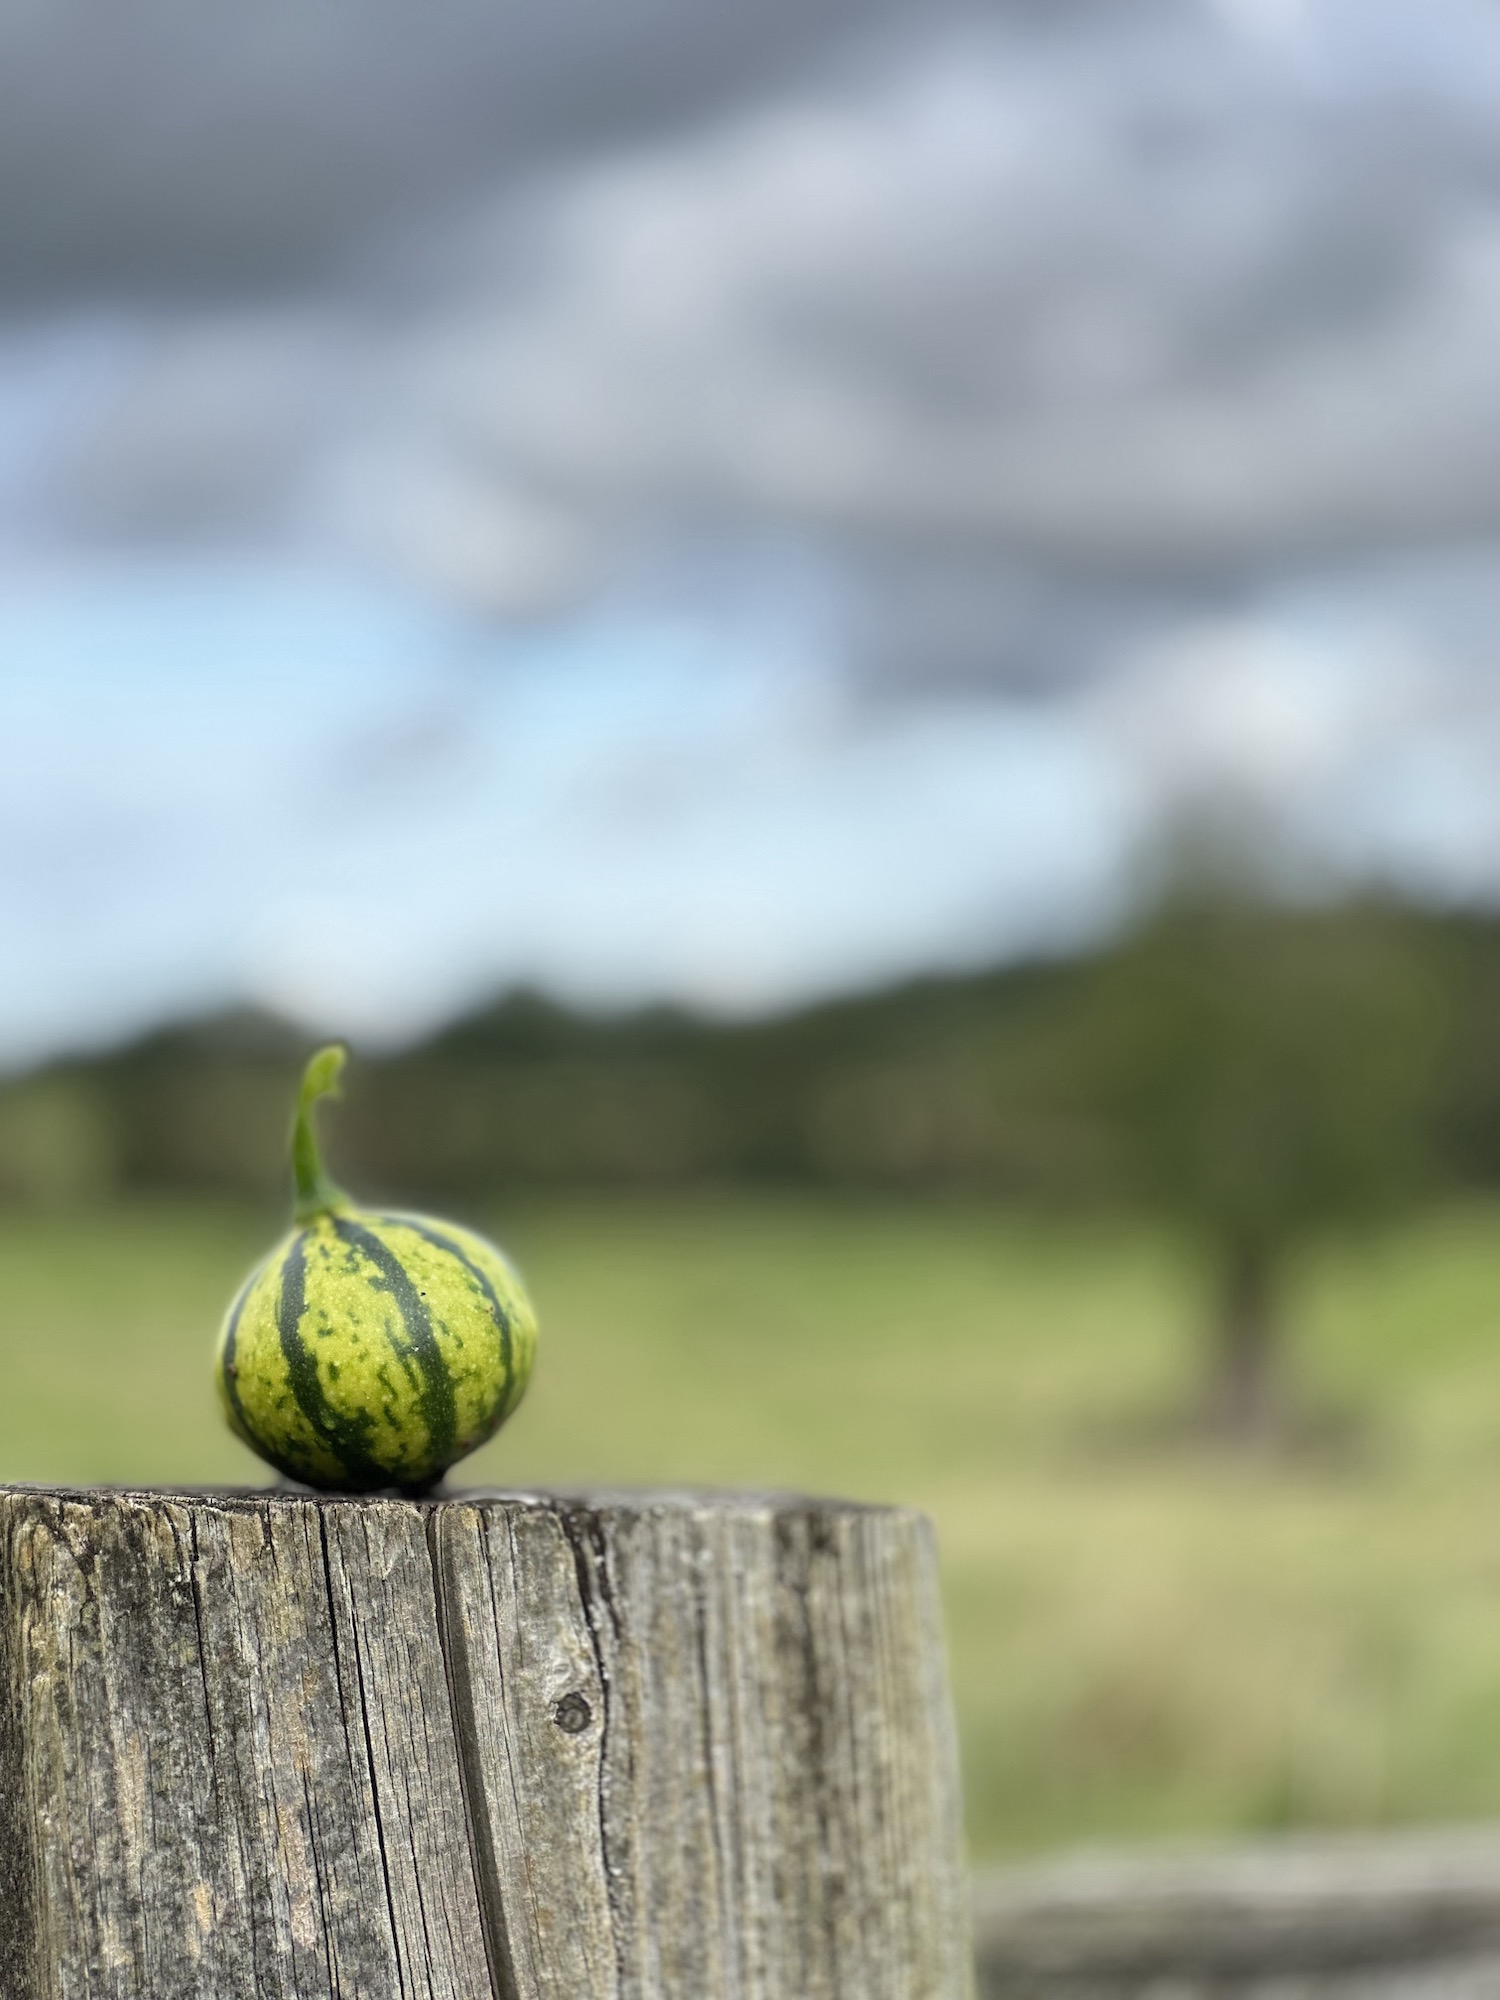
364	815
1339	723
1280	22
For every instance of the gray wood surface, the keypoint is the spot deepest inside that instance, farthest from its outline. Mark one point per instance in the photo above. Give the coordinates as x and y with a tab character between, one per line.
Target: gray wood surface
638	1747
1396	1916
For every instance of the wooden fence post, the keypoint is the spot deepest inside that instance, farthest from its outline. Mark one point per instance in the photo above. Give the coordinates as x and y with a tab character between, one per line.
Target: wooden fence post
527	1746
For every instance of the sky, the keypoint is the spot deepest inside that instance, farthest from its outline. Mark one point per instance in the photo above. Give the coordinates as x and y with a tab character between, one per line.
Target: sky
725	505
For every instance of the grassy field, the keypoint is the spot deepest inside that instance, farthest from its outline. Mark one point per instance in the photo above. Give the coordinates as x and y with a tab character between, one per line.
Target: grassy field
1145	1641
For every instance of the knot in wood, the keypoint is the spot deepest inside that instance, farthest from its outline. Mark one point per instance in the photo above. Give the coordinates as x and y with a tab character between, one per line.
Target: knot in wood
573	1714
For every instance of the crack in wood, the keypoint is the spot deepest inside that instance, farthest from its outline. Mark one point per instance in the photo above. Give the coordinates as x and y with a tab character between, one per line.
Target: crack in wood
584	1532
375	1806
196	1587
459	1680
18	1887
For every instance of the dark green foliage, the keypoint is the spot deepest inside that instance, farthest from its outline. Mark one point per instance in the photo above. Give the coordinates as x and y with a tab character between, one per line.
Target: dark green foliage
1262	1075
1266	1072
1246	1068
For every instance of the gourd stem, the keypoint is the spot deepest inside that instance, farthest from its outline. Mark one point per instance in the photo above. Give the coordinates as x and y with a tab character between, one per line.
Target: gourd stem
316	1193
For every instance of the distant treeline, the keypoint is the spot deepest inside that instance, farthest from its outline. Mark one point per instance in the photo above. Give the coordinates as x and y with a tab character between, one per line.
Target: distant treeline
1006	1081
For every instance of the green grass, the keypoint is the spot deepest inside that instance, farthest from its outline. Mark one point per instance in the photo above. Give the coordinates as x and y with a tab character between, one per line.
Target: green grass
1145	1641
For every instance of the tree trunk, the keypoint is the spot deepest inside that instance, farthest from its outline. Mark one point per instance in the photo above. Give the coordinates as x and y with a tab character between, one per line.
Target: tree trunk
1242	1391
662	1747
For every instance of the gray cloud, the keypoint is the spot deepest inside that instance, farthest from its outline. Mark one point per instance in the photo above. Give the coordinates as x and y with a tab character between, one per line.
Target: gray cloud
970	305
1050	326
174	150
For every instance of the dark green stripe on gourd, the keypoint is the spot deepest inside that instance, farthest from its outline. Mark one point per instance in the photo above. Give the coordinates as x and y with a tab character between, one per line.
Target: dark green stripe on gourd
371	1349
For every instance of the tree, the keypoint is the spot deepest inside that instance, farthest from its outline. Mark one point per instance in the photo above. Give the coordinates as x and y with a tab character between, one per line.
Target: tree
1264	1075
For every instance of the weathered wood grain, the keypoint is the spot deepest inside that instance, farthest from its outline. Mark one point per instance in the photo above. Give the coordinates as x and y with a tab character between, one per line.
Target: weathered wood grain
633	1747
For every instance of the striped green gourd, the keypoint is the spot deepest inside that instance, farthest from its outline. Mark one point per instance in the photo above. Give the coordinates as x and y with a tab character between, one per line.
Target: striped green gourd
370	1349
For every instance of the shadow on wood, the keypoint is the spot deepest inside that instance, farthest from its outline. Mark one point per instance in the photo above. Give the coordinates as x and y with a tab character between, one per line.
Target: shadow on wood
605	1747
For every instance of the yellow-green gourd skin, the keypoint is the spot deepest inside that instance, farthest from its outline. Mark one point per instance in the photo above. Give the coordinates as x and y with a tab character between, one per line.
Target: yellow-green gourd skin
372	1348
